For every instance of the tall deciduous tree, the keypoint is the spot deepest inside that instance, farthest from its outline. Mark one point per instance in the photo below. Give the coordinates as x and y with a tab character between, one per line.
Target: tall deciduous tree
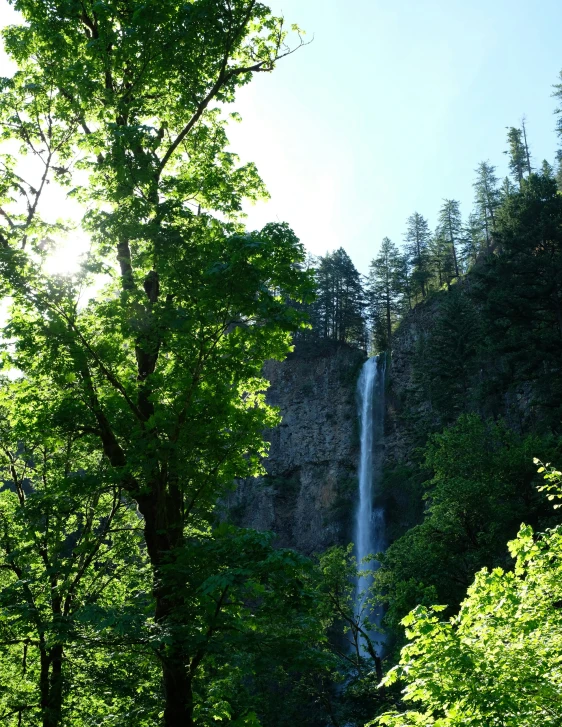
163	369
483	483
72	561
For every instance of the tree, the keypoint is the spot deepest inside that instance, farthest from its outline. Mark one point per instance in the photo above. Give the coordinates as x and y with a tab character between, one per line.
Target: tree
507	189
526	146
559	168
473	240
487	198
451	356
417	247
72	562
258	624
547	170
520	289
517	154
496	662
558	95
441	259
163	368
383	287
404	281
337	312
480	485
351	696
451	225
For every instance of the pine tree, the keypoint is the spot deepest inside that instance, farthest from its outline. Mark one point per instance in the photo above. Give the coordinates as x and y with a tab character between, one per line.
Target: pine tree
338	310
507	189
547	170
521	288
558	169
487	198
558	95
517	154
526	146
473	241
322	308
442	269
404	282
451	224
383	293
417	248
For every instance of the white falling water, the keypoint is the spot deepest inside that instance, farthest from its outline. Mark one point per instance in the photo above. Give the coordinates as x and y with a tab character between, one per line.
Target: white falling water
369	524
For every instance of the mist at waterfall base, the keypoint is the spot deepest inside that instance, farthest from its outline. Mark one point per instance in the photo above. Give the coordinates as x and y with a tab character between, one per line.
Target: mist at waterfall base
369	523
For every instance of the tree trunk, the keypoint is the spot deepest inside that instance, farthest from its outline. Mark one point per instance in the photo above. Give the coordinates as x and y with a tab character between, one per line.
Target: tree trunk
162	510
50	684
164	537
178	694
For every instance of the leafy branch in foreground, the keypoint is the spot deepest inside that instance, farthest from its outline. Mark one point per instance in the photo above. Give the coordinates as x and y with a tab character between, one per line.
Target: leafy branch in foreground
497	661
71	563
553	479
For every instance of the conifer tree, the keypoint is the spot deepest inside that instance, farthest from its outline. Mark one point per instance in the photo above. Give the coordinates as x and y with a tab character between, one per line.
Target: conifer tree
487	198
451	224
441	258
517	154
547	170
521	291
417	248
404	282
473	240
383	293
559	168
338	310
558	95
507	189
526	146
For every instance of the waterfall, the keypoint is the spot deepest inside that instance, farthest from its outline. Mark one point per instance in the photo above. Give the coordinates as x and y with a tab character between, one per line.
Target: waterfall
369	524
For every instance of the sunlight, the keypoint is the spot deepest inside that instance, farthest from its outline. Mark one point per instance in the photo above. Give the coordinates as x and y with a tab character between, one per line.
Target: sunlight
65	258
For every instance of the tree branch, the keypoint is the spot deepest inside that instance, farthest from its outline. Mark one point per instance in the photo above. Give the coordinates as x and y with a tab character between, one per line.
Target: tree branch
223	78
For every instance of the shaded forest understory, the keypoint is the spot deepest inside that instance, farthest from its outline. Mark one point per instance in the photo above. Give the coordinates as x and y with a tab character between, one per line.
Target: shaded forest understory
132	397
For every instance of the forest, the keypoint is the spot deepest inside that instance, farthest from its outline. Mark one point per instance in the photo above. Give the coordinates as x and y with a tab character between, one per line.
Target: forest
132	397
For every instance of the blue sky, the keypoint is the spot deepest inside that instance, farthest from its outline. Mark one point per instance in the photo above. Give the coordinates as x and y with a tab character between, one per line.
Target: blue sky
391	108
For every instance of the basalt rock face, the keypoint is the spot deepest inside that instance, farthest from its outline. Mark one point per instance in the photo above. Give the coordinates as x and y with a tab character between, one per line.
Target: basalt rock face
405	403
308	496
414	376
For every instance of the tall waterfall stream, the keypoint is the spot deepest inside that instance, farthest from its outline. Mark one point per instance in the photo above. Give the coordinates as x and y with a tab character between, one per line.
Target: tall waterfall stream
369	524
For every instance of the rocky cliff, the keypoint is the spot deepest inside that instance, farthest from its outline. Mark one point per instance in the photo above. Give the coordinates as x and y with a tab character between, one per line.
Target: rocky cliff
308	495
406	404
441	368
